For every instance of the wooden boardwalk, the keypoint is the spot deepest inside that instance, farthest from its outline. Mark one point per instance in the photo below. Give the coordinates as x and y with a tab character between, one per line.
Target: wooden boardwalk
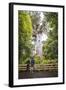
37	74
40	71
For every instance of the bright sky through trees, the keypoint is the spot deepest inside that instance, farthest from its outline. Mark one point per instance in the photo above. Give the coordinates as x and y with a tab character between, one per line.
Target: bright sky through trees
44	36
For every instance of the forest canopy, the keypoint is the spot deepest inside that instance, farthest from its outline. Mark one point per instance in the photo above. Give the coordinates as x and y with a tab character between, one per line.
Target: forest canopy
32	23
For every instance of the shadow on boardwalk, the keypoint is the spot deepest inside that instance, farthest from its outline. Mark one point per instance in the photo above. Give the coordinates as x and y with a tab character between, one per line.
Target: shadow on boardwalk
37	74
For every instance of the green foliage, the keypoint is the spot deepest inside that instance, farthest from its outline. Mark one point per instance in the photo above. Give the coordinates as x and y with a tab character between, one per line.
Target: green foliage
28	26
49	61
50	48
25	34
44	60
37	59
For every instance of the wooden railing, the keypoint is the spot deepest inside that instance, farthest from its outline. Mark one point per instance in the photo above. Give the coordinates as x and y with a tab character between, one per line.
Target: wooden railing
23	67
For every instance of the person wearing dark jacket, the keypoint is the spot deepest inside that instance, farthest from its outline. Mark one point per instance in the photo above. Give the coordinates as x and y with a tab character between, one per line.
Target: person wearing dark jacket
32	64
28	65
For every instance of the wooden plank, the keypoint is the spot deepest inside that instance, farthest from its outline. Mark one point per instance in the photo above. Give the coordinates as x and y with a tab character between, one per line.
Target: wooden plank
40	66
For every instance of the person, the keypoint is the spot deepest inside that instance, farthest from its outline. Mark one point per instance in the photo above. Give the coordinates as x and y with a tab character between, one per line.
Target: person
32	64
28	65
